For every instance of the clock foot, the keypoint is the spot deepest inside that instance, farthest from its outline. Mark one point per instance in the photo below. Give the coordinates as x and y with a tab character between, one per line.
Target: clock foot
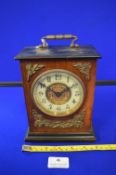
86	136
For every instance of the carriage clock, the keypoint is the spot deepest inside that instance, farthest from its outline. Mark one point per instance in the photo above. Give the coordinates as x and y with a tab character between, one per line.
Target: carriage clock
59	83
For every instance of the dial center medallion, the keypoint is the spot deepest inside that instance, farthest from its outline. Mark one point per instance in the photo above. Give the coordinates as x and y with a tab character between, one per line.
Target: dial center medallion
58	93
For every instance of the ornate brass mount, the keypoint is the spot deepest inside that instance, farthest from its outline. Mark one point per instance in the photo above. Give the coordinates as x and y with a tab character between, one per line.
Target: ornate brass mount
77	121
58	37
31	69
84	69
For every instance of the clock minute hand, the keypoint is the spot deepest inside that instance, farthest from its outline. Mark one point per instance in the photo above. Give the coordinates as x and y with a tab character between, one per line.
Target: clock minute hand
66	89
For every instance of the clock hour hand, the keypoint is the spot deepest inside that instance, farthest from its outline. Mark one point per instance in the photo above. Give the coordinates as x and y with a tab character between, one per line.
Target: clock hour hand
47	87
58	94
65	90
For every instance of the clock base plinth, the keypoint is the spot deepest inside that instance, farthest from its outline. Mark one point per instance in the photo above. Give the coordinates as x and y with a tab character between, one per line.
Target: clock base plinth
88	136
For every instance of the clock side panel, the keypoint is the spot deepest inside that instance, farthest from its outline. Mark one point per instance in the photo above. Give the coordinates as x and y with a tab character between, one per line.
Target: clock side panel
81	120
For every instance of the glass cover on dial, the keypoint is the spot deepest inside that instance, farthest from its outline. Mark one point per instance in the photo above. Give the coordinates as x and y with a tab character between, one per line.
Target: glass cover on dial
58	92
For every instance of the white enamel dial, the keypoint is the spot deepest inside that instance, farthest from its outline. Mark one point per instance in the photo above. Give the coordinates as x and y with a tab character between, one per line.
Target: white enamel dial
58	92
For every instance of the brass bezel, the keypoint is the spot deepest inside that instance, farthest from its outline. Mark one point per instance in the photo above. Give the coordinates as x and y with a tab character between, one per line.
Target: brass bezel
47	112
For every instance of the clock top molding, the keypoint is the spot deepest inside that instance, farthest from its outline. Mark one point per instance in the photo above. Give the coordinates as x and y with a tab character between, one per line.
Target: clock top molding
65	52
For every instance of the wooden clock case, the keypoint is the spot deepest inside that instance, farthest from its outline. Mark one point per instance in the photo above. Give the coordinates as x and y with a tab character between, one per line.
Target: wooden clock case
81	61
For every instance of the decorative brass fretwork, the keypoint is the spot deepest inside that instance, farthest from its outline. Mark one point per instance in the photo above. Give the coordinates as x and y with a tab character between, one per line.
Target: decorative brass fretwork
77	121
31	69
84	69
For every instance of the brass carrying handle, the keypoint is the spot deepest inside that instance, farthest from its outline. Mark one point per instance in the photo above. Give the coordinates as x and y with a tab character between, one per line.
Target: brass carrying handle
58	37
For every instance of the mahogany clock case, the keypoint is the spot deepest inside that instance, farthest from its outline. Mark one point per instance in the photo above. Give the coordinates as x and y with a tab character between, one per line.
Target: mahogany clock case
80	61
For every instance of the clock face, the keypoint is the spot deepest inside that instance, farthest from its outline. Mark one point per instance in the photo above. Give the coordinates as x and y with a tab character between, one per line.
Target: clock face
58	92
